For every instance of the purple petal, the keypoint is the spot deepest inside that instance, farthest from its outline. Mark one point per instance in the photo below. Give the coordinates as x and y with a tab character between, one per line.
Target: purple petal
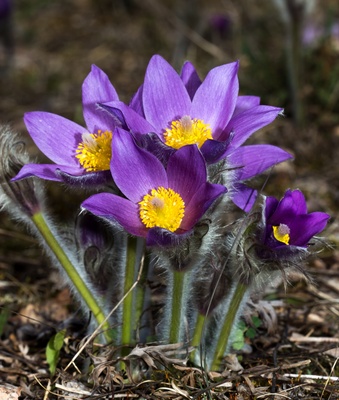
271	204
248	122
243	196
61	173
131	118
44	171
190	78
165	97
55	136
186	171
199	204
291	205
299	201
116	209
244	103
213	150
87	179
135	170
136	102
215	99
97	88
152	143
306	226
253	160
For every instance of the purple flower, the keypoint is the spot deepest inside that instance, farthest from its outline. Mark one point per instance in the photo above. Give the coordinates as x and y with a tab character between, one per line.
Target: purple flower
162	205
80	155
288	224
182	110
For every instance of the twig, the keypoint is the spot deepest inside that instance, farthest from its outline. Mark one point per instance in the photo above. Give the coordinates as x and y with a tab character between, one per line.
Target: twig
319	377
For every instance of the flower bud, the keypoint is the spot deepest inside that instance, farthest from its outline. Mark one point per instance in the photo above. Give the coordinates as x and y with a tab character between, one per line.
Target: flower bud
20	198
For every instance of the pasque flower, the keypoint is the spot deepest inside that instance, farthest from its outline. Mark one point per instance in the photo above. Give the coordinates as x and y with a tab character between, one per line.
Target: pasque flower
182	110
274	236
288	224
170	111
162	205
80	155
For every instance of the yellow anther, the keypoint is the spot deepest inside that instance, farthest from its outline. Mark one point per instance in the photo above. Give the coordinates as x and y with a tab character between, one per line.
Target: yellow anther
163	208
94	152
282	233
187	131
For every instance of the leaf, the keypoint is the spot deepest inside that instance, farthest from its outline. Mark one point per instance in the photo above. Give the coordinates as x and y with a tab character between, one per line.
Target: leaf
251	333
53	350
238	340
256	321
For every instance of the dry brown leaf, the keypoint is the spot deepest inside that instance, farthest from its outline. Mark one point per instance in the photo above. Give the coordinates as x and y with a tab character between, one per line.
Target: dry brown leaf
9	392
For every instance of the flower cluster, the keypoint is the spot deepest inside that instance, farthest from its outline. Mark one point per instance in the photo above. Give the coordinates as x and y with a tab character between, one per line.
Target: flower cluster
166	169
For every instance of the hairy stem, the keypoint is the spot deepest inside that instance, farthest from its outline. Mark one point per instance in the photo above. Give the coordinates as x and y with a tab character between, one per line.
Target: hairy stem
71	271
178	306
127	307
229	323
197	335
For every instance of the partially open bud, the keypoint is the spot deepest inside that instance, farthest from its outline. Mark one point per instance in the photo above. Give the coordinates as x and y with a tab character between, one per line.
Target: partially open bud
20	198
276	235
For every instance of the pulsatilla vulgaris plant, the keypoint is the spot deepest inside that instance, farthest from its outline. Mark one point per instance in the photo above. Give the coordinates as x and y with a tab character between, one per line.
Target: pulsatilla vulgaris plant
165	171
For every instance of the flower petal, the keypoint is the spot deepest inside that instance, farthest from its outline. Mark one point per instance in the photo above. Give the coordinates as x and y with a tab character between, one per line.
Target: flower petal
213	150
46	171
55	136
134	170
190	78
87	179
131	119
291	205
243	196
248	122
116	209
215	99
306	226
244	103
200	202
136	101
250	161
186	171
97	88
165	97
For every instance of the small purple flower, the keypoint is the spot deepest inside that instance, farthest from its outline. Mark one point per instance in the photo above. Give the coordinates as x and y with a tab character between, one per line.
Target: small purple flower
162	205
80	155
288	225
182	110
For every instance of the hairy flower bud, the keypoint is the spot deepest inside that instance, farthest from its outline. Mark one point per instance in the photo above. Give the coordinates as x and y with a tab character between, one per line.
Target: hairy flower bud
276	235
20	196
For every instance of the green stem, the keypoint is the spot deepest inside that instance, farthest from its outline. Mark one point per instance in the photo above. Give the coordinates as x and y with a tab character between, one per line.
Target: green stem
178	305
42	226
127	307
196	340
225	333
198	330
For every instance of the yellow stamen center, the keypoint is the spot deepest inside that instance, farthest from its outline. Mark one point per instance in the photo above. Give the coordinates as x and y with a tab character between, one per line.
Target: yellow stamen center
163	208
282	233
187	131
94	152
